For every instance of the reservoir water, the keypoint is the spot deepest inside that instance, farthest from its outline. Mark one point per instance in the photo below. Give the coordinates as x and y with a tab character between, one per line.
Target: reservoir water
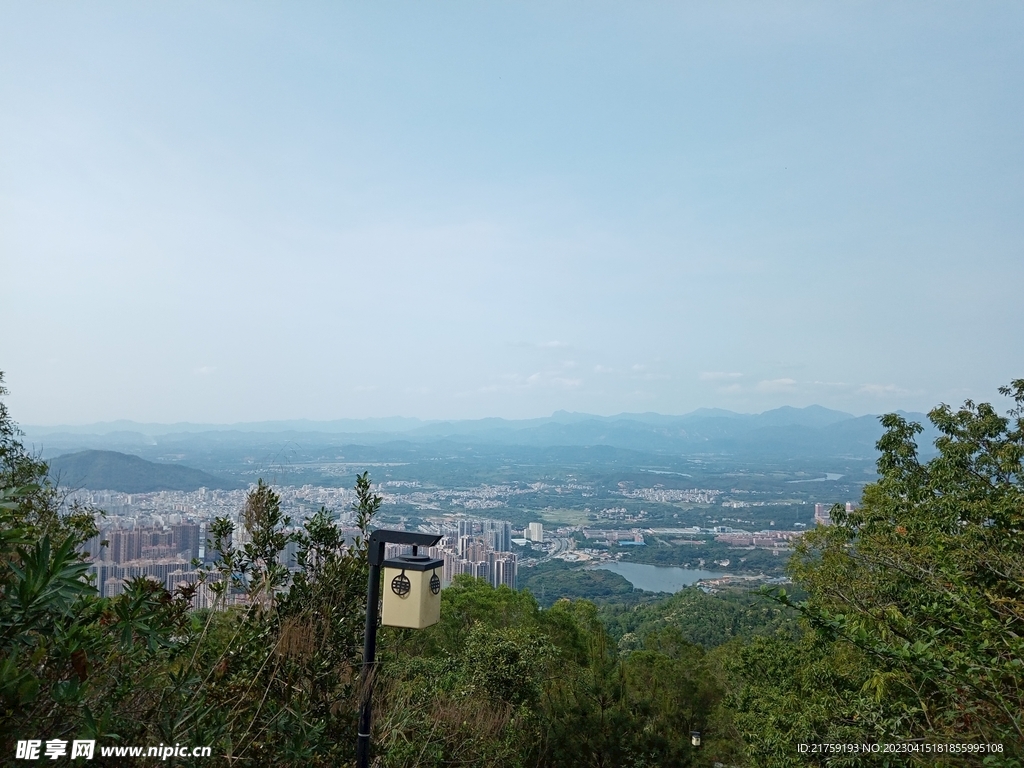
658	578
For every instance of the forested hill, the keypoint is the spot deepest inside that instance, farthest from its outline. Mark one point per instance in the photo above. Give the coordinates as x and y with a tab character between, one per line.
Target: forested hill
113	471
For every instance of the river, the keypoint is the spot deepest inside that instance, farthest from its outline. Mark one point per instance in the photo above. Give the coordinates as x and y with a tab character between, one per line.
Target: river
658	578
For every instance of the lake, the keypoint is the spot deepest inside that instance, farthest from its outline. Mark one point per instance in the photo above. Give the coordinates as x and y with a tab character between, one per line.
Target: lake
658	578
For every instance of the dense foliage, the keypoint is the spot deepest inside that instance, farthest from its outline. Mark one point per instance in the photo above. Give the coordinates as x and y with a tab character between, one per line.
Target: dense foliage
552	580
700	618
915	606
741	560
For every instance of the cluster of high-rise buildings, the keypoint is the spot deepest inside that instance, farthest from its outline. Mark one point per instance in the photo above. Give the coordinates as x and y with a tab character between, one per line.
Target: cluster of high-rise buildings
823	513
164	555
168	554
171	556
480	548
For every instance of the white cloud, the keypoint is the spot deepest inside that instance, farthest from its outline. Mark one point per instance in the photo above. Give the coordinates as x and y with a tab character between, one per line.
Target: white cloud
565	383
719	376
537	380
879	390
776	385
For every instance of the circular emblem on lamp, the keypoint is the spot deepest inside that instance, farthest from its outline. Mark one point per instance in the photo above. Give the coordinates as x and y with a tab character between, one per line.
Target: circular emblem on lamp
400	585
435	584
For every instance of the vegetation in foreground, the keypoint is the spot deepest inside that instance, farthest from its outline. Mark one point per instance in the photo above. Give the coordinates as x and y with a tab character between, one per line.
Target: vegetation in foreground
907	632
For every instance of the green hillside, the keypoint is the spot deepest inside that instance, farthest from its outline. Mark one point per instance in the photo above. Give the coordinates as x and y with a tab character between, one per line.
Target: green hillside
113	471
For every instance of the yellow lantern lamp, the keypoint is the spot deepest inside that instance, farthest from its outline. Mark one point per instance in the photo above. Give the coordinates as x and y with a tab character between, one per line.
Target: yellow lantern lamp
412	591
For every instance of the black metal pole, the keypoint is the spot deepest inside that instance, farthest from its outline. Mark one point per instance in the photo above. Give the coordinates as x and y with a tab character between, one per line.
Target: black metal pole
369	663
375	558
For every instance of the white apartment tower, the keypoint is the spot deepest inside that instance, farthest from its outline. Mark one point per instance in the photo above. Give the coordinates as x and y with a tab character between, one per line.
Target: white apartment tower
822	514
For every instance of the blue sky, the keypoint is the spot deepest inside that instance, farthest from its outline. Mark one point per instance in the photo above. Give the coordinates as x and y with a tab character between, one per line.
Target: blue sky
227	212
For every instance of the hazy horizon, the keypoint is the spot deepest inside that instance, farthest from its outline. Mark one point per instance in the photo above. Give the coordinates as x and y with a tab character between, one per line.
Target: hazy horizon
225	213
399	423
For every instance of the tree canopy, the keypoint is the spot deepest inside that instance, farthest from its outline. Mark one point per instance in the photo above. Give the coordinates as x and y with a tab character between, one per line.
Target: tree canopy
915	604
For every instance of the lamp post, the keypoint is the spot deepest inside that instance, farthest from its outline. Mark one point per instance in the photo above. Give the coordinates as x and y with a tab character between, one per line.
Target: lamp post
375	555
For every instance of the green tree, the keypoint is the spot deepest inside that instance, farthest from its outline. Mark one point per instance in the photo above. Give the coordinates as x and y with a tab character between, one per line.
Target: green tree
70	662
278	669
915	600
467	690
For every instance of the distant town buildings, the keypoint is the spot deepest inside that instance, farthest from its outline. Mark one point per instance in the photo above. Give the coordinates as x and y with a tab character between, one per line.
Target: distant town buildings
484	550
534	532
822	515
163	555
479	548
162	535
616	536
670	496
772	540
493	535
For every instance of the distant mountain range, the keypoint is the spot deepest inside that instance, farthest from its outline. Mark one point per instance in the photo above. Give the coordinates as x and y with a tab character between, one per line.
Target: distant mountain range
787	431
113	471
811	416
